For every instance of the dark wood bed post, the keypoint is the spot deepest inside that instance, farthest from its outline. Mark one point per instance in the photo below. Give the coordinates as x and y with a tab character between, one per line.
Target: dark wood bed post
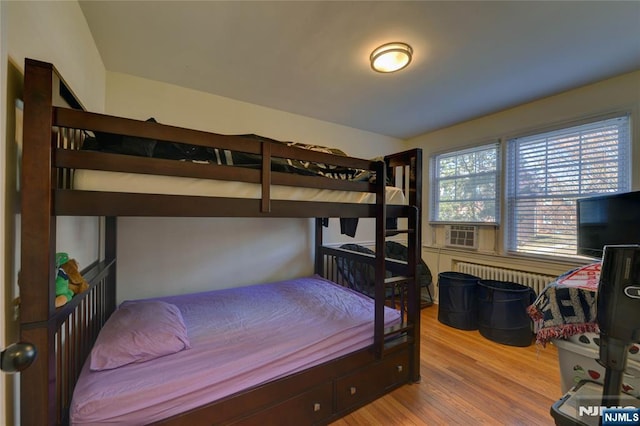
110	246
46	386
380	264
319	258
37	256
415	250
412	158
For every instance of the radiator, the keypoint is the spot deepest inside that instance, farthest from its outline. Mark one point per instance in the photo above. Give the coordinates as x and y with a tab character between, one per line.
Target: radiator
536	281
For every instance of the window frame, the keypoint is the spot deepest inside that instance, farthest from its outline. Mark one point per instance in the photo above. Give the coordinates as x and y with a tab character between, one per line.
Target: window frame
510	232
434	186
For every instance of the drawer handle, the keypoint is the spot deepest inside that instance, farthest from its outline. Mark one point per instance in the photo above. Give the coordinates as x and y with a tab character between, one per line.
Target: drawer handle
352	390
316	407
399	368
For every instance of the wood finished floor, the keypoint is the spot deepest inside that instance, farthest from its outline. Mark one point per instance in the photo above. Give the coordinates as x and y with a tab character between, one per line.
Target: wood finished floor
467	379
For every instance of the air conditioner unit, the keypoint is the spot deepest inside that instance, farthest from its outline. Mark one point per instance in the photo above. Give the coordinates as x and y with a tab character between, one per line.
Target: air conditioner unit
461	236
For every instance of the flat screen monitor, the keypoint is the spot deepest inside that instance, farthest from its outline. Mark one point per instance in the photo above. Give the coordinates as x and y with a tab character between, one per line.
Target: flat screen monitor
607	220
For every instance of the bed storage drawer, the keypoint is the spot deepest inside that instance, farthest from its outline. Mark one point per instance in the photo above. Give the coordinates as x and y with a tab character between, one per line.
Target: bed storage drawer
310	407
371	382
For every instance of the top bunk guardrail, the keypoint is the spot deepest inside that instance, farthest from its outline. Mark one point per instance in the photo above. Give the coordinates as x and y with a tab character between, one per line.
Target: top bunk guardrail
67	129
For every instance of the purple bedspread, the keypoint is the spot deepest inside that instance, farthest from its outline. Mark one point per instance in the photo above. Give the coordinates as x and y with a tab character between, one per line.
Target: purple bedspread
240	337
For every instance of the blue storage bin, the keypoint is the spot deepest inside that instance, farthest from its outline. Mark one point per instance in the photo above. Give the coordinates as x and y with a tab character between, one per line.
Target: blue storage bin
502	312
457	300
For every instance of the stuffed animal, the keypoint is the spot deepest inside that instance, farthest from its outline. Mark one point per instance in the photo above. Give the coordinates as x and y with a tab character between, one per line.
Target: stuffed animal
69	281
77	283
63	292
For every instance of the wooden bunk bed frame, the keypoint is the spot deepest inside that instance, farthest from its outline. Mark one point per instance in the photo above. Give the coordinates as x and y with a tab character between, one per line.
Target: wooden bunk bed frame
54	127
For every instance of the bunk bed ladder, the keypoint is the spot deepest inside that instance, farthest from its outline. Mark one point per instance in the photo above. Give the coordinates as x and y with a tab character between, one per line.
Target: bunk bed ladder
401	334
390	338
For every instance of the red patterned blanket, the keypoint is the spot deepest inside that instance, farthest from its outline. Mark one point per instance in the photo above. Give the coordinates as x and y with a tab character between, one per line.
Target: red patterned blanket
567	306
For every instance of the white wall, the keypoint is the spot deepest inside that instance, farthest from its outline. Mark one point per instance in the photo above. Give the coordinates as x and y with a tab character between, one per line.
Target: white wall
57	32
617	94
205	253
53	32
140	98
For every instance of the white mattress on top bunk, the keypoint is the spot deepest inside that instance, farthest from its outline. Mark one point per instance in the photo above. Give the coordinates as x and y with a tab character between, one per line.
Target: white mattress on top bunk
239	338
96	180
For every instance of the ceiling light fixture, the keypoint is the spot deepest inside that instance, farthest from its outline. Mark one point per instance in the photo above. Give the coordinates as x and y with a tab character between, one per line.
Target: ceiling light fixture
391	57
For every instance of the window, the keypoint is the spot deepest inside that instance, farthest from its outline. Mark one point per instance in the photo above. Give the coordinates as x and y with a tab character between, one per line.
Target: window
547	172
465	185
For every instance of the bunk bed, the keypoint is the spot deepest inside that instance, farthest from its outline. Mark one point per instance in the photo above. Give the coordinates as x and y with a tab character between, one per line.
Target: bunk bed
53	159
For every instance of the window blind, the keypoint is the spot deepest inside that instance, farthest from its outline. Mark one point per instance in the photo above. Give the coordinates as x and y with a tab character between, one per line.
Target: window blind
547	172
465	185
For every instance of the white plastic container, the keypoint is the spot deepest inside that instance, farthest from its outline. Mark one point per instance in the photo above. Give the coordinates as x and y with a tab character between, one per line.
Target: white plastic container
579	361
592	340
567	412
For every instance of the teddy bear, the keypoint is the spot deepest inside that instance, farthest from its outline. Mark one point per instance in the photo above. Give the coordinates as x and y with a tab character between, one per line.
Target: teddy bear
77	283
69	281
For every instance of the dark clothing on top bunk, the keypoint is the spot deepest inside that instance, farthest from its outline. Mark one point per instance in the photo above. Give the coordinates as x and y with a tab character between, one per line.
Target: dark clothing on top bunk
143	147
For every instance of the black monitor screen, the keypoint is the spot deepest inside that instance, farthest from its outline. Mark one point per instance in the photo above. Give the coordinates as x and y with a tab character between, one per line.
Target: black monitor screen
608	220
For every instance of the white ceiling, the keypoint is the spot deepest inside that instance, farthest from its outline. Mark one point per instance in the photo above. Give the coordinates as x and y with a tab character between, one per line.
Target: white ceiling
311	57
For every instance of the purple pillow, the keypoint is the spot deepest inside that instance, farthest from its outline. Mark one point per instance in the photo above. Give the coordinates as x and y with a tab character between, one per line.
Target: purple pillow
139	332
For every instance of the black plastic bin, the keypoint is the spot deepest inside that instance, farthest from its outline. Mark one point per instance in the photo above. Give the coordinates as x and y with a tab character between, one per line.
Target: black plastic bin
457	300
502	312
